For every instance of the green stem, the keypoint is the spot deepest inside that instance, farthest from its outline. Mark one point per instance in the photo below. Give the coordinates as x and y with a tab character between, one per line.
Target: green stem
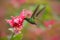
12	36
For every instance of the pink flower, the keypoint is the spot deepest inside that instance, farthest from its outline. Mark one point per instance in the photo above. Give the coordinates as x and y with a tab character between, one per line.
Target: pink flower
49	24
17	22
27	13
17	3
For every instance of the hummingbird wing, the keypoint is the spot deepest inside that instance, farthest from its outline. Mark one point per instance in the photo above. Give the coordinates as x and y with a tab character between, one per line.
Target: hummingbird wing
39	15
34	13
40	11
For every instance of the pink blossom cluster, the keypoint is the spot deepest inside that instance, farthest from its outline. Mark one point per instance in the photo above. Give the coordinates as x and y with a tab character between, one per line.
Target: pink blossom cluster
49	24
17	22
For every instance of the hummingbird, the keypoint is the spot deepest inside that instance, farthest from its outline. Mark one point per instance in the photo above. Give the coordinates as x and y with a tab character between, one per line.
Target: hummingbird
34	15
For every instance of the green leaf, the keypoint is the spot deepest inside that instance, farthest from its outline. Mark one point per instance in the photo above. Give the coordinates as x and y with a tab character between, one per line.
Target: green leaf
17	37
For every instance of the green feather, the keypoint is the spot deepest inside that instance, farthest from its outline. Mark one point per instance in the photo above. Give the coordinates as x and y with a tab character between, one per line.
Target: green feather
30	20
